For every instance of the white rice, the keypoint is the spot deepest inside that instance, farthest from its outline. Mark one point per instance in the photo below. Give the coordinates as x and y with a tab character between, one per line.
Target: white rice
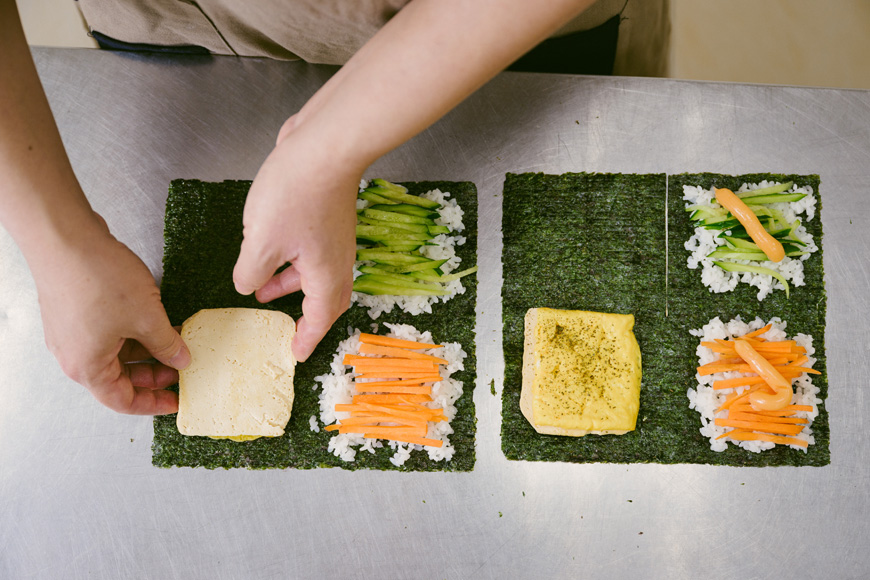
704	241
451	216
705	400
337	388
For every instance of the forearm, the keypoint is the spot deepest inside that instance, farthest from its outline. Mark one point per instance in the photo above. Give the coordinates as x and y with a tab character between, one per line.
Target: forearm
41	202
426	60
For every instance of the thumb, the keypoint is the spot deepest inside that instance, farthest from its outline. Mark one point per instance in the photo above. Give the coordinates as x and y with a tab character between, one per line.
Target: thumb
252	270
165	344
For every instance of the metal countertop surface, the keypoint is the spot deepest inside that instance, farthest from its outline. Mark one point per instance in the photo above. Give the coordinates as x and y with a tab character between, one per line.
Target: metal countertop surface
80	499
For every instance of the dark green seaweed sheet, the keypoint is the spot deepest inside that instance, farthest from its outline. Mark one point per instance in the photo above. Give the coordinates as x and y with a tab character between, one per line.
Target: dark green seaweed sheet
597	242
203	233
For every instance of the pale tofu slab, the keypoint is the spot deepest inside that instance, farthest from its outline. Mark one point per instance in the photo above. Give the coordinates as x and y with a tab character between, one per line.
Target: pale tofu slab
240	379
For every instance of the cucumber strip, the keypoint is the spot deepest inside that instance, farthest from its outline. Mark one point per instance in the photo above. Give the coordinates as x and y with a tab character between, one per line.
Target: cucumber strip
375	198
732	267
404	269
723	225
409	210
435	230
429	275
378	182
418	228
406	237
389	216
728	254
366	285
363	231
778	188
390	258
399	247
390	277
444	278
742	244
378	270
773	198
400	197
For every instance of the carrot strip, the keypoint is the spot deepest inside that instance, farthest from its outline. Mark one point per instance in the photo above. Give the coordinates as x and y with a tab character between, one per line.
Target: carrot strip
779	428
373	420
381	432
391	399
391	372
378	340
364	388
758	332
392	351
379	362
744	416
379	375
401	382
737	382
744	436
418	413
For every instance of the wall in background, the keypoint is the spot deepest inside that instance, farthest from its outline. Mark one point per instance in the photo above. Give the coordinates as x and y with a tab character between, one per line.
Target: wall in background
793	42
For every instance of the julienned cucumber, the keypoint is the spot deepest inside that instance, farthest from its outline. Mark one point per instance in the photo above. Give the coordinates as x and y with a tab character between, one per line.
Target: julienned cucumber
432	276
389	216
367	285
398	193
772	198
408	209
733	267
778	188
397	224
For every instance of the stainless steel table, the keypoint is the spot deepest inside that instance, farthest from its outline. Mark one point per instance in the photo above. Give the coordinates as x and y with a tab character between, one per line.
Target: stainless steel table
80	499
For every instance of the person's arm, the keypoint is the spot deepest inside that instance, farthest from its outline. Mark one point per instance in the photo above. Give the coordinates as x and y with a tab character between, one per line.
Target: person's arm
426	60
100	306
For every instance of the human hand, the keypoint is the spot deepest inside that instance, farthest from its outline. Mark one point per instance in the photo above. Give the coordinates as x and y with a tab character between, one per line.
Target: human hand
301	209
101	309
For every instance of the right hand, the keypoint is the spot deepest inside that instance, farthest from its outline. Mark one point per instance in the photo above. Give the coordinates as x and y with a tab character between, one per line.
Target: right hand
301	209
101	309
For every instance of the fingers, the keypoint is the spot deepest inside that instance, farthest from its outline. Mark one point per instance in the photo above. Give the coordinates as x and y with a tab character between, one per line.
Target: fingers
252	269
164	343
318	315
151	376
285	282
115	390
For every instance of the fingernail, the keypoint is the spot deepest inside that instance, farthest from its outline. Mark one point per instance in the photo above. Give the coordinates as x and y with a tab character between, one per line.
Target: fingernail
243	290
181	360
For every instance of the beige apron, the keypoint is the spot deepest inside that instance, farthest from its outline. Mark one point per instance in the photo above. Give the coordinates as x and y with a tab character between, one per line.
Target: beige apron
331	31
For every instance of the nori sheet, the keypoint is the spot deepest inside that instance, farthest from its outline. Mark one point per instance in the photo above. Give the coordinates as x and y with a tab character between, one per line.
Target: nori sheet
203	233
597	242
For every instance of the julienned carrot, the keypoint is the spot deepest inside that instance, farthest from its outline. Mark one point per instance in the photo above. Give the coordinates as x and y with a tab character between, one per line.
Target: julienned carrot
399	353
392	372
751	436
382	377
768	427
364	388
373	420
748	416
402	382
393	399
789	411
387	430
379	340
408	363
758	332
415	412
